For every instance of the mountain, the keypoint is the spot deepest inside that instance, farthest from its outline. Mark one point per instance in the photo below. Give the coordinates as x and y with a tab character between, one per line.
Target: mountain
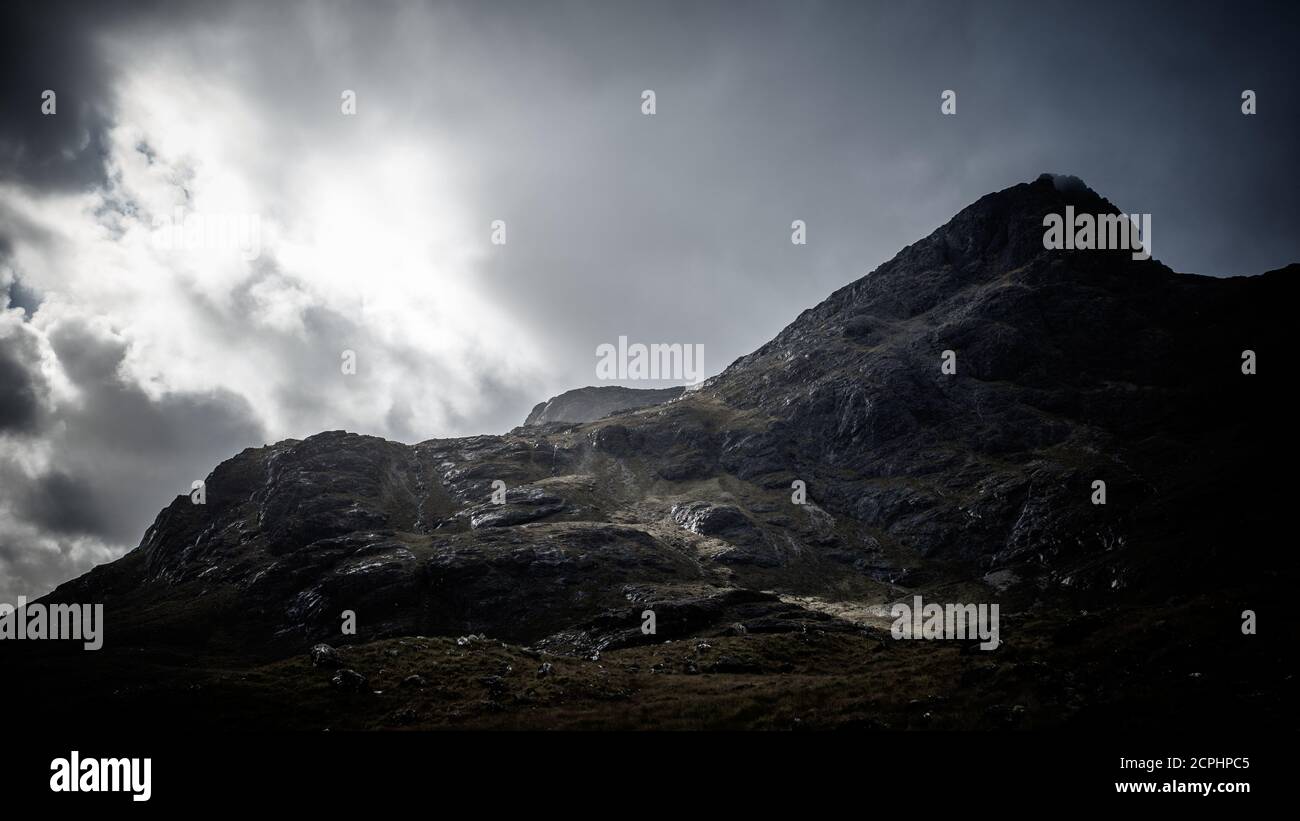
590	404
1072	367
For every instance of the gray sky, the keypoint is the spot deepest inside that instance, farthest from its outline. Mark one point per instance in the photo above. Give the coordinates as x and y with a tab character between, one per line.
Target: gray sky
128	369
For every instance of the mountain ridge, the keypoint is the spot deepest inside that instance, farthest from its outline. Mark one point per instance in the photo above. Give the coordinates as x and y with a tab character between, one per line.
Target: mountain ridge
858	425
1071	367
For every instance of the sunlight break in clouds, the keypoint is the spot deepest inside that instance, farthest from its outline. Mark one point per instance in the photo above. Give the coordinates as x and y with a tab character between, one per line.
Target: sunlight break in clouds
360	250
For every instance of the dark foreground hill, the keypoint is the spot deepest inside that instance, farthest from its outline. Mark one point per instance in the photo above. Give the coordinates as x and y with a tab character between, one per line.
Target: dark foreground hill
1072	367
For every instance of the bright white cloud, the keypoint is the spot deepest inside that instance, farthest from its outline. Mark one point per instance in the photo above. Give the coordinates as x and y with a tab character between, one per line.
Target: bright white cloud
360	249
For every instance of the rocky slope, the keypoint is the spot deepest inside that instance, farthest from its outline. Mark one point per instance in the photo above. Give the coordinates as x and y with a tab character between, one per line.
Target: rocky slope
590	404
1071	367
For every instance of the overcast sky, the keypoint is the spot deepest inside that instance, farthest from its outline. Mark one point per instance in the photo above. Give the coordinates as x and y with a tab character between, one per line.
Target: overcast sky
129	368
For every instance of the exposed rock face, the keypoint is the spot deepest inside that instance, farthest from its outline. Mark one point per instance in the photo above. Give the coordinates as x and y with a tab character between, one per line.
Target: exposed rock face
322	655
713	520
519	506
590	404
1072	367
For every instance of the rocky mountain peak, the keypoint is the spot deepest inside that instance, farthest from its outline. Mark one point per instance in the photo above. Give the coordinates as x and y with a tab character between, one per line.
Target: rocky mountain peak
983	282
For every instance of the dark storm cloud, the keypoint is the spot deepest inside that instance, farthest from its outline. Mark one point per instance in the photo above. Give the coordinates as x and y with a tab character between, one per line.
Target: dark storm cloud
20	383
117	457
60	503
51	45
48	47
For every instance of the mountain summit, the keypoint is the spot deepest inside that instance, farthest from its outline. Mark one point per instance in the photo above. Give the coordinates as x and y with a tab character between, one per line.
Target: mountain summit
937	427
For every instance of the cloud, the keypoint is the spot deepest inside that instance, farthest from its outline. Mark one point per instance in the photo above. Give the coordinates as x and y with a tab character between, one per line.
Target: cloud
19	388
52	45
66	149
97	456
